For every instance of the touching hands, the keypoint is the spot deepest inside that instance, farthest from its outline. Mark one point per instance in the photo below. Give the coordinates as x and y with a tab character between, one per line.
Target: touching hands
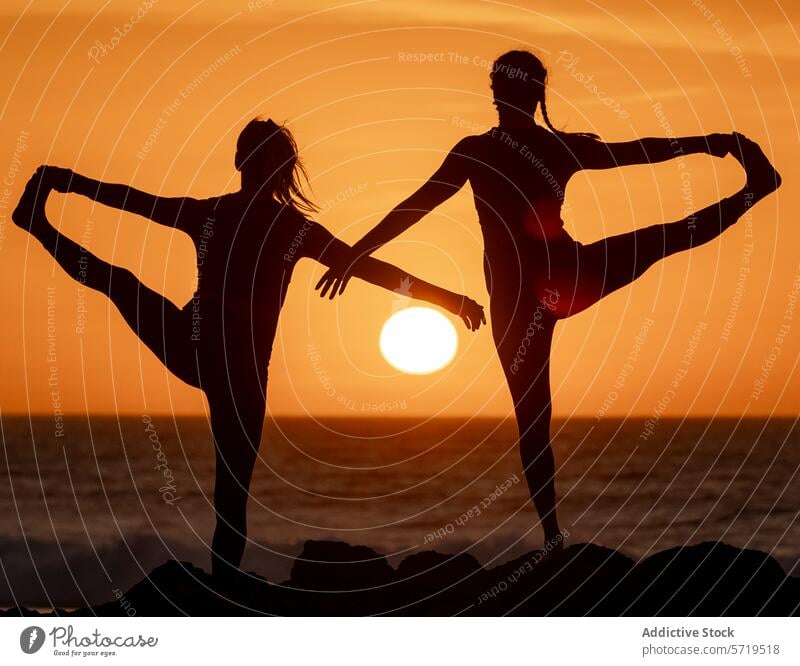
337	276
334	281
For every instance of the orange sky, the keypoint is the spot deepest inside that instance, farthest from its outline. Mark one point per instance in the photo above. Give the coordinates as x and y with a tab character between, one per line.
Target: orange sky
372	123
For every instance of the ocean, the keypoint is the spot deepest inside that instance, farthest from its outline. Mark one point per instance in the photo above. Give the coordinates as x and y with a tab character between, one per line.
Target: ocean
92	504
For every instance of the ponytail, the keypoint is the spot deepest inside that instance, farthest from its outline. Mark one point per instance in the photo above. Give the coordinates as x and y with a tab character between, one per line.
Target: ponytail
557	132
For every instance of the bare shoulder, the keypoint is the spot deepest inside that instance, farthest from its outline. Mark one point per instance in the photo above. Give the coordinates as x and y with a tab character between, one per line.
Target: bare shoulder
195	217
469	144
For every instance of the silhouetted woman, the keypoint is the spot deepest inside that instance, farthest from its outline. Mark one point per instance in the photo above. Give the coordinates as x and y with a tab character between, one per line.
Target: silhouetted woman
247	245
535	272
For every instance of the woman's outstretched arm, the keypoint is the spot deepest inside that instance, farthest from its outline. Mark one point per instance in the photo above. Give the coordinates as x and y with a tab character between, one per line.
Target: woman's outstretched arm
330	251
448	179
176	212
589	153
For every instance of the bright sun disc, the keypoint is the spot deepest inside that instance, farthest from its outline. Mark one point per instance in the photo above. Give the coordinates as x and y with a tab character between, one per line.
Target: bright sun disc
418	341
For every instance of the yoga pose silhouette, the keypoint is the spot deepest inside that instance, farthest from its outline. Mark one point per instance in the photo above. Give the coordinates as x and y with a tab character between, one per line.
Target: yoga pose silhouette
247	244
535	272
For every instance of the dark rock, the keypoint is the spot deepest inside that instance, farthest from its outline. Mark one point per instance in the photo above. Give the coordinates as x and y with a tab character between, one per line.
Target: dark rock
173	589
335	578
336	566
430	583
710	579
578	581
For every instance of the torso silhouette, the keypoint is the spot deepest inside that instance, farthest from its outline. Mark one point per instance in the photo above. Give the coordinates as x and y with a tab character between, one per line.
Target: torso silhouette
247	249
519	178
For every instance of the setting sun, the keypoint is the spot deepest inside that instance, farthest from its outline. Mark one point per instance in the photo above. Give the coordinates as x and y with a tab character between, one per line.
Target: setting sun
418	341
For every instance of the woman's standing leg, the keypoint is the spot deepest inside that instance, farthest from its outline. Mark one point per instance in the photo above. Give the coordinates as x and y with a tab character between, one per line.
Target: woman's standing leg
236	432
236	392
523	336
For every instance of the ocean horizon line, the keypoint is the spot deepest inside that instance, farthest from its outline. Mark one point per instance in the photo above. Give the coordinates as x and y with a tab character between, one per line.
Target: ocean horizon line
412	417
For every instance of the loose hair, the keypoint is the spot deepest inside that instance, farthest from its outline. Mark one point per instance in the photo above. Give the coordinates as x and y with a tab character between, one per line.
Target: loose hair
271	149
519	77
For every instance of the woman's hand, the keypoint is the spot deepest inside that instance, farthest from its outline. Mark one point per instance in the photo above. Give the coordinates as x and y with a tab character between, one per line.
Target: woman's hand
339	272
471	312
57	178
719	145
335	280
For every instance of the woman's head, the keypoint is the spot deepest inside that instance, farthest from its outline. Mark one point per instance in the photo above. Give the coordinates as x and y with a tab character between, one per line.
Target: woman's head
266	156
519	81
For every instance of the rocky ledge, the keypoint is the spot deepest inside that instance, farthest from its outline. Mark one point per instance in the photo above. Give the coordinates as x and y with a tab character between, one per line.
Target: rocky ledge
332	578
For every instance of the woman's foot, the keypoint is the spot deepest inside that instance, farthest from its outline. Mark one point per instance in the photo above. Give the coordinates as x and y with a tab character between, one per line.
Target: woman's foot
29	213
762	177
552	549
555	541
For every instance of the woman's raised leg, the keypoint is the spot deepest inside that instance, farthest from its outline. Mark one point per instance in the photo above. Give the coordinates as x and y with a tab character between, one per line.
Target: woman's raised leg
601	268
156	321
